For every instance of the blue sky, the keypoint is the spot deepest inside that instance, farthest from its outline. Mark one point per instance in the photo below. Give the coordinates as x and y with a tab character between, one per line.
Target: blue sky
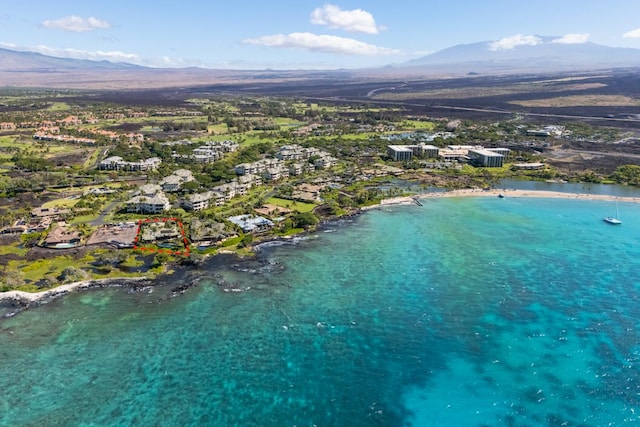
302	34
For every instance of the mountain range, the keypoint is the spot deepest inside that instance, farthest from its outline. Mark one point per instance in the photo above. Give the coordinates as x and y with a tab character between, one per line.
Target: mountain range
541	54
546	54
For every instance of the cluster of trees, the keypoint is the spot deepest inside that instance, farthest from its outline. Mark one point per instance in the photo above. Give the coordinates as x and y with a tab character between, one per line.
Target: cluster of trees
242	124
29	163
184	126
628	174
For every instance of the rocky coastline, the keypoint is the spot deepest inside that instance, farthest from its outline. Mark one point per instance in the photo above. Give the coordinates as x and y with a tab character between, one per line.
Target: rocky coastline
258	263
21	300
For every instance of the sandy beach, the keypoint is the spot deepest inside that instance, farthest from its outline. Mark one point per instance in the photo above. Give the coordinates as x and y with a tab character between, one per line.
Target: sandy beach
405	200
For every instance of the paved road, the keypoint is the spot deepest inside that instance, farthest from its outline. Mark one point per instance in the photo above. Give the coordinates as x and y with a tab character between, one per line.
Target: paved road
100	220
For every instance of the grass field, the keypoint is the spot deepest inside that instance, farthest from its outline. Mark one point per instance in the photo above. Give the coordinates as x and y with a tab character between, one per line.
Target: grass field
218	129
302	107
418	125
291	204
61	203
58	106
93	158
580	100
14	248
288	122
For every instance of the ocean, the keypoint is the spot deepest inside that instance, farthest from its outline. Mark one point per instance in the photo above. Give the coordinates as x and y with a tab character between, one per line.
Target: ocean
471	311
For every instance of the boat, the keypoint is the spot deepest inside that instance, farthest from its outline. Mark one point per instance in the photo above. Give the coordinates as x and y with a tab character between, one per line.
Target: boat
613	219
501	195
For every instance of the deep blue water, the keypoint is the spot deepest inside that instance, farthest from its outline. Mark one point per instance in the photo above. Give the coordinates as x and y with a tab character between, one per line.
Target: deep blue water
462	312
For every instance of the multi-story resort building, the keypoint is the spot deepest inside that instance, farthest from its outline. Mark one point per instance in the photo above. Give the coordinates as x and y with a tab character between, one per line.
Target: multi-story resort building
220	194
401	153
474	154
197	202
148	199
485	158
173	182
117	163
290	160
209	152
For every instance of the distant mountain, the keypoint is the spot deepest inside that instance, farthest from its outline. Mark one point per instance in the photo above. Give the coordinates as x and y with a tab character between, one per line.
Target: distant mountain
29	69
546	55
19	61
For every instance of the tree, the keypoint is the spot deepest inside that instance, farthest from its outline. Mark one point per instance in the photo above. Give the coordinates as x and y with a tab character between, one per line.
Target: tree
627	174
190	187
72	274
160	259
304	220
246	240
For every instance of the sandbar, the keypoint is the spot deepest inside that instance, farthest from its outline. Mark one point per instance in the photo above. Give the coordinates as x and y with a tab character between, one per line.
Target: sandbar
406	200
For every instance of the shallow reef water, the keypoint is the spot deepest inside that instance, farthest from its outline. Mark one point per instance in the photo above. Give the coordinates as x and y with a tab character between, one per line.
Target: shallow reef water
459	312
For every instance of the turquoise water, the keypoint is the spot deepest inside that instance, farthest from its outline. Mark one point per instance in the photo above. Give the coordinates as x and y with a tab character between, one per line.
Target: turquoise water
462	312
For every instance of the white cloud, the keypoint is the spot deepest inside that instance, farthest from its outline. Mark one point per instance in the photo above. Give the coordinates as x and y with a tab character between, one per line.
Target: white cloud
634	34
357	20
572	39
512	42
112	56
98	55
77	24
321	43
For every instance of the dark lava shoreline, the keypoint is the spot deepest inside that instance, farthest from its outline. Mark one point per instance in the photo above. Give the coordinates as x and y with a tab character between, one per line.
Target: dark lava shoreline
182	277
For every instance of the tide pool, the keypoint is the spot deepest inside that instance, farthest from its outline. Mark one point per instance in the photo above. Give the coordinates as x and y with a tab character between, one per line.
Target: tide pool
463	312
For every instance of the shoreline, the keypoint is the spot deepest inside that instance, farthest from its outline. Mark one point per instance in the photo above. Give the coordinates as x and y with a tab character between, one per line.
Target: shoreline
470	192
25	300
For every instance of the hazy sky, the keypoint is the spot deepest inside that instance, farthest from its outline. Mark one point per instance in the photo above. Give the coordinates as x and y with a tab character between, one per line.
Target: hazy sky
309	34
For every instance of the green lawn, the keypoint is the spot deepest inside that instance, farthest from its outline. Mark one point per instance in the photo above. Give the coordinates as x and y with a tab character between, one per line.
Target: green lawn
291	204
81	219
61	203
14	248
287	121
418	125
58	106
93	158
218	129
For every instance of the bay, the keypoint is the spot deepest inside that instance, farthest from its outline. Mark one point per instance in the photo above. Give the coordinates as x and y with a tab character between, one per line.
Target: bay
468	311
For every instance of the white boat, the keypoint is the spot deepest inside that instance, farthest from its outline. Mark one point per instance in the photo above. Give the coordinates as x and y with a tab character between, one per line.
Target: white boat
613	219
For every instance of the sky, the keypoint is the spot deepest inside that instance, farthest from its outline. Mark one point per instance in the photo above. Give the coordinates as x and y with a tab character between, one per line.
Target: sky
302	34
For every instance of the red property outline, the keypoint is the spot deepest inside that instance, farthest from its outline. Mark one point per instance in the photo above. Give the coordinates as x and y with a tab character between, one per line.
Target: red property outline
187	249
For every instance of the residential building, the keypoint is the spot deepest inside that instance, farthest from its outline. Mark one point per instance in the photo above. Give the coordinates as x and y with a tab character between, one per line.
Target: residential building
70	121
197	202
117	163
173	182
250	223
49	212
62	237
155	204
46	136
324	161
